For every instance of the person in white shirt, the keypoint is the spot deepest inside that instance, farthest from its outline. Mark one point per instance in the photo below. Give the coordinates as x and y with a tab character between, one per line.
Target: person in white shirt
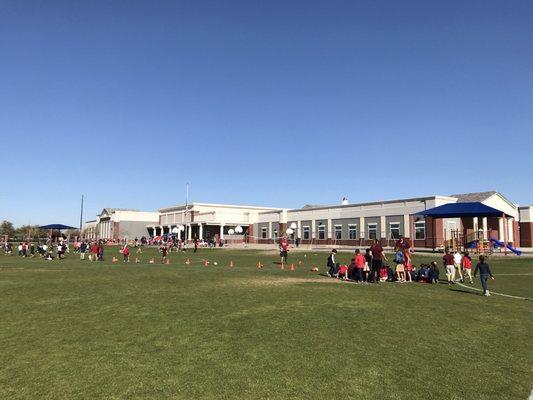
458	263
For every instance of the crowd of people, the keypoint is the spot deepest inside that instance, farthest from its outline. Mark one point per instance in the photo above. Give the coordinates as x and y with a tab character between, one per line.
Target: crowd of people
373	267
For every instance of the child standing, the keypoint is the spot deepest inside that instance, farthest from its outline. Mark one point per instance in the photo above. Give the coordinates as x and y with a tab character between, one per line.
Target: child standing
467	266
458	263
399	259
359	266
484	274
126	253
331	262
368	263
163	249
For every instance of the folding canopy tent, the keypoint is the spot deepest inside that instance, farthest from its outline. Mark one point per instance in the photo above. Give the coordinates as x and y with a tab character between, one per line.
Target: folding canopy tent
465	210
57	227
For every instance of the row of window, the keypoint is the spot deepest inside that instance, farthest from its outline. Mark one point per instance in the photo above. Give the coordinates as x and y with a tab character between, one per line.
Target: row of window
372	231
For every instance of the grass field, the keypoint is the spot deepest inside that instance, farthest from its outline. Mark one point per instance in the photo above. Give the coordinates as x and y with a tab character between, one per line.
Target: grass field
81	330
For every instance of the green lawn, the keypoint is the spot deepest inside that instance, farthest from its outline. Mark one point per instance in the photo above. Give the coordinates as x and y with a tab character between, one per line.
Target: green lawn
80	330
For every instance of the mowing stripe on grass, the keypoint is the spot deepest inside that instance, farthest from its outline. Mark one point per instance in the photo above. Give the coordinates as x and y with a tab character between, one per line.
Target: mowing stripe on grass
499	294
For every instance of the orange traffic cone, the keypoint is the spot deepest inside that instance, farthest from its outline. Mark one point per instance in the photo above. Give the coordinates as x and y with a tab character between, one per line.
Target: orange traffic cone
231	264
292	267
114	259
187	261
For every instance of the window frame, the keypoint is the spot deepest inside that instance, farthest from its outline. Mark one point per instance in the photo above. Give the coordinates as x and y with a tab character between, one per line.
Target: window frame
321	232
399	230
337	231
372	226
264	232
423	223
306	232
352	228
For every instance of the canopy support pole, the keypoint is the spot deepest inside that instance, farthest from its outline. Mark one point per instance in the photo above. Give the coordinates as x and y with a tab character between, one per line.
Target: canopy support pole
505	229
434	229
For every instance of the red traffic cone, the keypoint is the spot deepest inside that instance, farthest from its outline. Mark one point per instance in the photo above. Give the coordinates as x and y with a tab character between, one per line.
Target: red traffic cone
292	267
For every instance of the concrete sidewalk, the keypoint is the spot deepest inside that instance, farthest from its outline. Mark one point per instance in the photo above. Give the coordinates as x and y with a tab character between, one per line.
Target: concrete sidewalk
526	251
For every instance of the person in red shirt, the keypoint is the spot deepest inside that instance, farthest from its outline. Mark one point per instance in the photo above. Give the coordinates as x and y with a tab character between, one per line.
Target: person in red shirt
126	253
467	266
343	272
377	260
359	266
94	251
449	265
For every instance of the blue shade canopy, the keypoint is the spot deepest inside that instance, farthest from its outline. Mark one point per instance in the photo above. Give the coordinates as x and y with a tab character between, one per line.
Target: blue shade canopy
57	227
459	210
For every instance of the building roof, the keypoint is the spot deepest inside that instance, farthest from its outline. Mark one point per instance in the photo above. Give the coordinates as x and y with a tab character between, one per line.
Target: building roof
474	197
191	205
313	206
109	210
351	205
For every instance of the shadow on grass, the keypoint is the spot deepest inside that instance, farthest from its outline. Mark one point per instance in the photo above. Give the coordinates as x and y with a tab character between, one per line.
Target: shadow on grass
466	291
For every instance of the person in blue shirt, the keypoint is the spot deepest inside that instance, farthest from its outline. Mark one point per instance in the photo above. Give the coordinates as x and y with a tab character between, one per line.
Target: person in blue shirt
484	274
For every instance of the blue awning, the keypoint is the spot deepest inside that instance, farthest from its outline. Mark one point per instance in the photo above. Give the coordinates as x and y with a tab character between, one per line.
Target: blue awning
460	210
58	227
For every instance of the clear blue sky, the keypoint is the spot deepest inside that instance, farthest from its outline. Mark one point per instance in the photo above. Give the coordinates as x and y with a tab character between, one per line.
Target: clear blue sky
276	103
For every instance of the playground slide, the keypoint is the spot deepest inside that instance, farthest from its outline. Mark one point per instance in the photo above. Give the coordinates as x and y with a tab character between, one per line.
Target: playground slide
500	244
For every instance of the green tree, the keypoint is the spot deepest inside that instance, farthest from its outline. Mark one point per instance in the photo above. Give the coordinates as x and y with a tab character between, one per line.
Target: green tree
6	228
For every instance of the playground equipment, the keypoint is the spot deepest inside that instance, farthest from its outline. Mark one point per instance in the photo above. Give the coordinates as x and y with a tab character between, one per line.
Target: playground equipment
497	243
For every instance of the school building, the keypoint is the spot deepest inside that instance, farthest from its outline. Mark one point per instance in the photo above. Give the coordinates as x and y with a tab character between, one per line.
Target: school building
344	224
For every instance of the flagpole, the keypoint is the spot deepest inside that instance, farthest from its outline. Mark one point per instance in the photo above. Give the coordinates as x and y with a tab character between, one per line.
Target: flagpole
81	217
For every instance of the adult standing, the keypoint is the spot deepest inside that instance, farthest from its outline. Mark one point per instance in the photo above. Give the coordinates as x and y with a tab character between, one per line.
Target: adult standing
404	246
377	259
449	266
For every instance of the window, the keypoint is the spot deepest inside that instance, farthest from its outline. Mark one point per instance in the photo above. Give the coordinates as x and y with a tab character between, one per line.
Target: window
420	230
372	231
307	233
352	231
321	232
263	232
394	228
275	233
338	232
